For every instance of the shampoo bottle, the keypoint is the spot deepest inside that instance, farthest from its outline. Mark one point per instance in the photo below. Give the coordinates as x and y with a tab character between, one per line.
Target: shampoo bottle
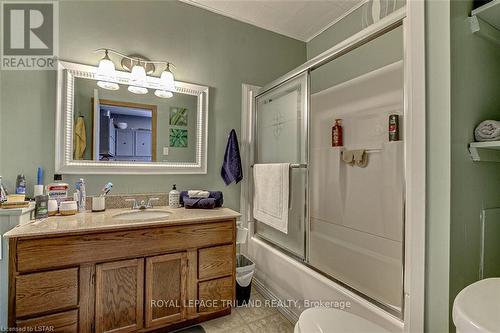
173	197
337	140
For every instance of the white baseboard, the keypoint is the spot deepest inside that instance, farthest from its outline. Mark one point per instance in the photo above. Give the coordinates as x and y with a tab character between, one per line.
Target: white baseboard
268	294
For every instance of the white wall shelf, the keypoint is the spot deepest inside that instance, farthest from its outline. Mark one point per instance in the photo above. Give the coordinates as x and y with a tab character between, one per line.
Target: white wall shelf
485	151
485	21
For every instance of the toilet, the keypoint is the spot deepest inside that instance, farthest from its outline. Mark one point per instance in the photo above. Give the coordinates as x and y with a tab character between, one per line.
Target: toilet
327	320
476	308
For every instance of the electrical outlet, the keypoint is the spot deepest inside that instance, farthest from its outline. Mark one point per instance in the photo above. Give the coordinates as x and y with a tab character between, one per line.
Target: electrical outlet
165	150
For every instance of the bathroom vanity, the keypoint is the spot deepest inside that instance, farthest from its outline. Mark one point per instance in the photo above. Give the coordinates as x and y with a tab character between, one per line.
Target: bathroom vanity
93	272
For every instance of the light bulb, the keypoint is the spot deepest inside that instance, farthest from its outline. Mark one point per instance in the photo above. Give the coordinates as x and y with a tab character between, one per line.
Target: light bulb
163	93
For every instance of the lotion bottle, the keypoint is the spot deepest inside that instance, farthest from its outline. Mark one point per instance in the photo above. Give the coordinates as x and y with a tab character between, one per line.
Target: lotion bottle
174	197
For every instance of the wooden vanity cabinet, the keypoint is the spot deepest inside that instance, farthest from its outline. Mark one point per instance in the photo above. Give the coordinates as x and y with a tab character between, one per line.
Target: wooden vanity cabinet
133	280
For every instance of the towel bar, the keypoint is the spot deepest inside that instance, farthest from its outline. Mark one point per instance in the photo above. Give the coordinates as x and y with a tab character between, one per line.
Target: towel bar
293	166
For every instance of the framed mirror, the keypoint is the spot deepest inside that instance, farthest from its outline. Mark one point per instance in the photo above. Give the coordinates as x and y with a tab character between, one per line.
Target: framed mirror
101	131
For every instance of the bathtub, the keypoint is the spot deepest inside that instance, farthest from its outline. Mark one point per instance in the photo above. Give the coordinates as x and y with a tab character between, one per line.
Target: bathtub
286	279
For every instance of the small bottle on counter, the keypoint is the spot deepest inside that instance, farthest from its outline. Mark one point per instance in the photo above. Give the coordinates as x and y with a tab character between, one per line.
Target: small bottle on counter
41	206
394	127
337	140
82	195
20	184
174	197
3	193
58	190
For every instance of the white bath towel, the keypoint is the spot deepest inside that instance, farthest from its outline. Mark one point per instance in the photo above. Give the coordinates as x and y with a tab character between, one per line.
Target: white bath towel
198	194
488	130
271	194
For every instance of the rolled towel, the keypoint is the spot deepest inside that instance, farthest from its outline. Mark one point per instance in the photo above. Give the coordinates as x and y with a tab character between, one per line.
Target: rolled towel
200	203
197	194
217	195
488	130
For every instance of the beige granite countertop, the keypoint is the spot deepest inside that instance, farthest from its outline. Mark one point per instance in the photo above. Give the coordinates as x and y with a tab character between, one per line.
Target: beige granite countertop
86	222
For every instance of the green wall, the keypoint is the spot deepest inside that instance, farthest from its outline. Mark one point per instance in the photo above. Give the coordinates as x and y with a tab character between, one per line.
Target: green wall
207	49
475	82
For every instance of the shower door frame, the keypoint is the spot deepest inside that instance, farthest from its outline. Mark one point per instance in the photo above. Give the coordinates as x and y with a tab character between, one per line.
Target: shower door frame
304	127
412	19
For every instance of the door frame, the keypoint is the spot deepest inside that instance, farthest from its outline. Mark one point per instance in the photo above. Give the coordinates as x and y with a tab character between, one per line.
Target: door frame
148	107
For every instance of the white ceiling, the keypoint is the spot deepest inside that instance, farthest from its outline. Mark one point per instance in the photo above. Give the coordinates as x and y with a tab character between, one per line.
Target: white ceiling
299	19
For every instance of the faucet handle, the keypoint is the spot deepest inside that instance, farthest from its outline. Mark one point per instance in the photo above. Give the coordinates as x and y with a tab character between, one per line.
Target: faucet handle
150	200
134	202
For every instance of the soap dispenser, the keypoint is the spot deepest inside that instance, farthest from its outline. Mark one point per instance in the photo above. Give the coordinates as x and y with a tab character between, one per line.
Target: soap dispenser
173	197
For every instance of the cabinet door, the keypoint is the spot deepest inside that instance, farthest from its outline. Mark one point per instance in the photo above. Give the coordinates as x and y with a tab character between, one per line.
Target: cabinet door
124	143
119	296
215	295
166	278
143	143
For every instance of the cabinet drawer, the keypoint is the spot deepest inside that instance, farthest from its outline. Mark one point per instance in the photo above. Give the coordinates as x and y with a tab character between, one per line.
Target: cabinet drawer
65	322
216	294
33	254
215	262
47	291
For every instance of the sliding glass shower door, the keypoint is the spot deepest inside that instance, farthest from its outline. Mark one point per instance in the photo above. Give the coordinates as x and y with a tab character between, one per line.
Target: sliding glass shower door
357	209
281	137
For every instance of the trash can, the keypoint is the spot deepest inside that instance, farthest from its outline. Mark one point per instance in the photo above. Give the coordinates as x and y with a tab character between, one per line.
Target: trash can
244	273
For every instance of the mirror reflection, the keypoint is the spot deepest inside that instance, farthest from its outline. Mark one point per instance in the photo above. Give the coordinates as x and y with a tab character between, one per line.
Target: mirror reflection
117	125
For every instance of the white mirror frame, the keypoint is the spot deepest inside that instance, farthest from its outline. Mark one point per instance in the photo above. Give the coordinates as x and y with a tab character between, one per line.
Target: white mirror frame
64	162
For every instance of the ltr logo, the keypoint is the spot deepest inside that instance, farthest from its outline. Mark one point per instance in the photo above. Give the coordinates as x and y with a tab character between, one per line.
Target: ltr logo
29	35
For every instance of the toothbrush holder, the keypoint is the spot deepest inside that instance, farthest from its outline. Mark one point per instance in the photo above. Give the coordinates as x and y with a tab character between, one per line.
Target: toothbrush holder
99	204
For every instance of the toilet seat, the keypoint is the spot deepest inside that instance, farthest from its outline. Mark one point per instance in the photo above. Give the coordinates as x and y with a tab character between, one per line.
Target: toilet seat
325	320
476	308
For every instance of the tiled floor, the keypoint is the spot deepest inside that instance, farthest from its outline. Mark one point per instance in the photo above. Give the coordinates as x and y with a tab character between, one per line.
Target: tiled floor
251	319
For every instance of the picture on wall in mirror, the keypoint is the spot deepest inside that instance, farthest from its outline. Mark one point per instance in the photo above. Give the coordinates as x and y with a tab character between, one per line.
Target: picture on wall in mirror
178	138
178	116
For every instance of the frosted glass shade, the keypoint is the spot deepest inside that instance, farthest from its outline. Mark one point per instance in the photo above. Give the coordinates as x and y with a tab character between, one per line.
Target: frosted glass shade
108	85
164	94
106	69
106	74
138	90
138	76
167	82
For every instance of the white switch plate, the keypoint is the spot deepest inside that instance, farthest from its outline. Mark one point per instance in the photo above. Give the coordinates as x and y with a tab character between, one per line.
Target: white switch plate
165	150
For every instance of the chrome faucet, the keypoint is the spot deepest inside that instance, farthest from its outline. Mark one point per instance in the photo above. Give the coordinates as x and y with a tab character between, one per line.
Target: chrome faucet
142	205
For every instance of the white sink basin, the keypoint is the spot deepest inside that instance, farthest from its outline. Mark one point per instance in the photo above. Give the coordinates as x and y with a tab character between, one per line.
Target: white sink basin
143	215
477	307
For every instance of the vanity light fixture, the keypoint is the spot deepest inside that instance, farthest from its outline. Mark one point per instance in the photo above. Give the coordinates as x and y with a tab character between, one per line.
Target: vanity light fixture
106	73
139	69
